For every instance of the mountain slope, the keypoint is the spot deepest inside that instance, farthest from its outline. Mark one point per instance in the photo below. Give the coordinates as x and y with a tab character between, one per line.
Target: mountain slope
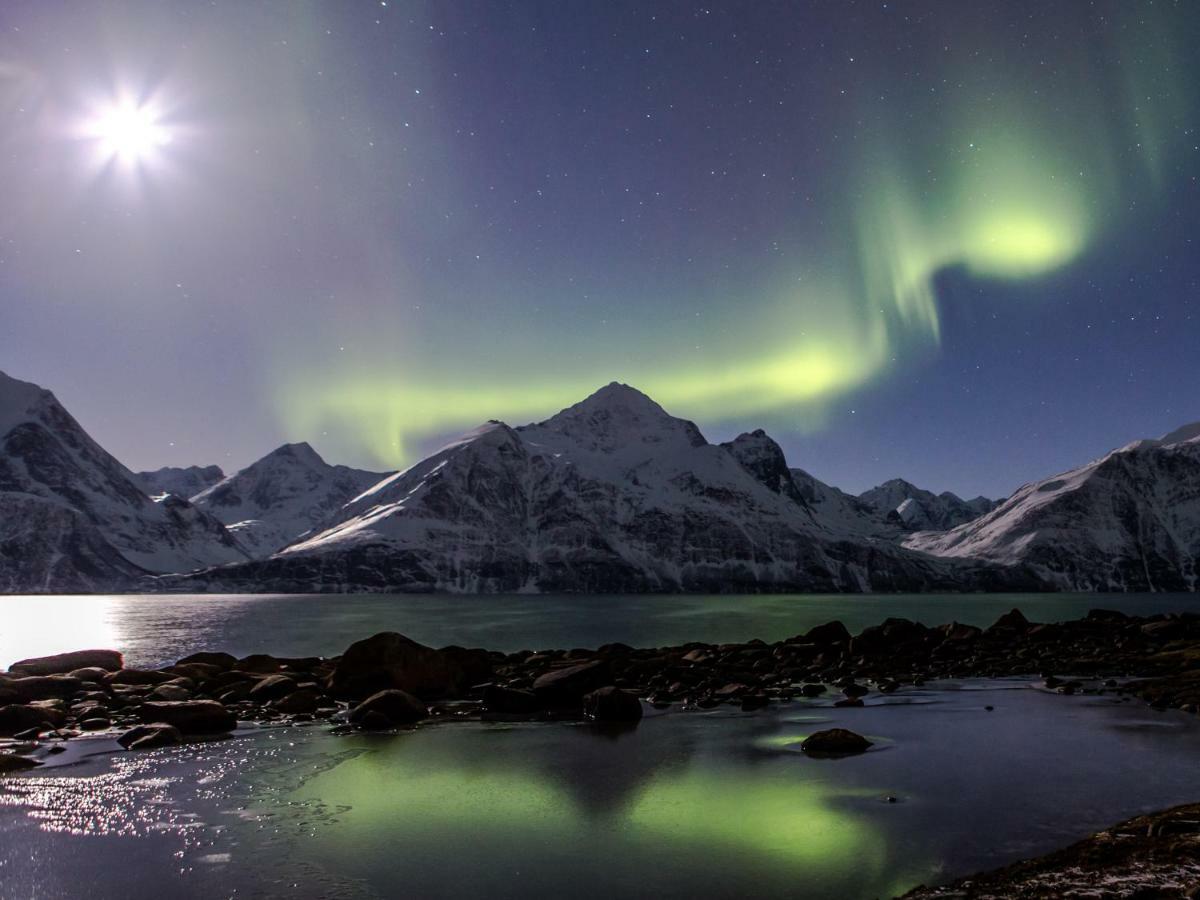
282	496
182	482
46	456
1129	521
915	509
612	494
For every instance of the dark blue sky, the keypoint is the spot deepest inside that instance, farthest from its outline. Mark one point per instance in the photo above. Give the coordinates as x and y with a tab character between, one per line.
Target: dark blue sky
948	242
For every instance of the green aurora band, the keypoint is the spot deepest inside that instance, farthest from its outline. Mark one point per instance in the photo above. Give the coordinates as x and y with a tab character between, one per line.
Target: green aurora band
994	185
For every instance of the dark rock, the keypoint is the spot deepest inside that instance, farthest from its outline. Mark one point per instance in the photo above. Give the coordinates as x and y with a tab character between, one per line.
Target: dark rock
305	700
272	688
835	742
259	664
830	633
394	706
850	702
508	701
170	692
855	690
956	631
567	686
752	702
223	661
15	718
1013	620
190	716
611	704
390	660
475	664
60	663
374	721
147	737
139	677
812	689
93	674
44	687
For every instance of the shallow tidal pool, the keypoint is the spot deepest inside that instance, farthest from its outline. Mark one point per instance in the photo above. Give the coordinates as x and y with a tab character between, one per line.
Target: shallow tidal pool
687	804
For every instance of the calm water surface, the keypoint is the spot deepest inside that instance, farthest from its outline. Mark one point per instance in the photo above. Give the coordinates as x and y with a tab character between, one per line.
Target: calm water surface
685	805
157	629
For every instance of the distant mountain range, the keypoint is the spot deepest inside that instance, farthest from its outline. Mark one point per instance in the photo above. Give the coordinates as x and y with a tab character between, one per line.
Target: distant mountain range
612	494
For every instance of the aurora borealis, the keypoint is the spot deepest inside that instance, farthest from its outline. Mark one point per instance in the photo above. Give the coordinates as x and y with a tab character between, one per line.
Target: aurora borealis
949	242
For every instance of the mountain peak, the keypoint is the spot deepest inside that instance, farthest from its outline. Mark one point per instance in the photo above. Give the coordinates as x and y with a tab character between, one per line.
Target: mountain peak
618	415
18	399
301	451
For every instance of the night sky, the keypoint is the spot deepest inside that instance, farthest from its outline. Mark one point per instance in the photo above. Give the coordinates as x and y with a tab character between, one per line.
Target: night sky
948	241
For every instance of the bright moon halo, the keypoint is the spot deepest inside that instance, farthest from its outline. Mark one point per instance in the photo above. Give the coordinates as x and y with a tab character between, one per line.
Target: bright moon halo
127	133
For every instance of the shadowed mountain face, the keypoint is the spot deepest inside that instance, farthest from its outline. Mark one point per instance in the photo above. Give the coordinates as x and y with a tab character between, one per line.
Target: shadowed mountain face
913	509
612	494
76	518
184	482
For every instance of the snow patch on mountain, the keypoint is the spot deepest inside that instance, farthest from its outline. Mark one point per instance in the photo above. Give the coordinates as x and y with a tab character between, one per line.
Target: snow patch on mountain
916	509
182	482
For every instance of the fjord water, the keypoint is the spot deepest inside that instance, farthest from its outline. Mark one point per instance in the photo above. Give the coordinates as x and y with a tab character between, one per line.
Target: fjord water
157	629
687	803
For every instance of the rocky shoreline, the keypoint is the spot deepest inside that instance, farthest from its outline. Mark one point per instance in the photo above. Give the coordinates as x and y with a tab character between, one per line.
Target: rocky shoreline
389	681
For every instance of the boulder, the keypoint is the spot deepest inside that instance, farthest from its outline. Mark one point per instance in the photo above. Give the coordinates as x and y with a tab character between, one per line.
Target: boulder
391	661
305	700
611	704
1013	620
190	716
834	742
222	661
15	718
476	664
139	677
396	707
498	699
44	687
272	688
566	686
61	663
259	664
170	692
830	633
147	737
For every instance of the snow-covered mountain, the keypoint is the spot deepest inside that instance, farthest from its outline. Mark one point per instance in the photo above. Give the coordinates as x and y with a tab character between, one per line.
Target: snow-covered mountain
915	509
1129	521
283	496
182	482
75	518
612	494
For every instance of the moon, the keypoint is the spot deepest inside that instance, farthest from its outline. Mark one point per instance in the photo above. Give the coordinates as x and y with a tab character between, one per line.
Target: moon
128	133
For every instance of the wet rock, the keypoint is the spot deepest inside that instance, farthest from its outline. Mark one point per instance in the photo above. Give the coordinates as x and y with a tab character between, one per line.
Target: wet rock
223	661
259	664
508	701
96	723
812	689
300	702
170	692
475	664
849	702
835	742
191	717
10	763
611	704
271	688
566	686
16	718
855	690
147	737
391	707
60	663
392	661
752	702
142	677
44	687
92	674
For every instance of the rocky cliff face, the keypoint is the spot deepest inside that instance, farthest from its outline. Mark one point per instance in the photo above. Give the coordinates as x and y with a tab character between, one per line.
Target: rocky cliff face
612	494
79	518
1129	521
